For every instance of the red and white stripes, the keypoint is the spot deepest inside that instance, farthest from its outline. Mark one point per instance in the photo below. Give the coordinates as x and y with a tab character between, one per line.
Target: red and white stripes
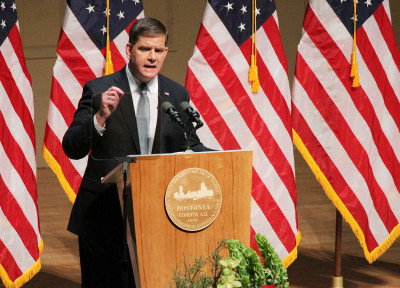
350	136
235	118
78	61
20	240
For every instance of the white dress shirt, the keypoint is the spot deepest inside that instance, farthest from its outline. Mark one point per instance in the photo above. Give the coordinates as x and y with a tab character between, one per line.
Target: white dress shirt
152	94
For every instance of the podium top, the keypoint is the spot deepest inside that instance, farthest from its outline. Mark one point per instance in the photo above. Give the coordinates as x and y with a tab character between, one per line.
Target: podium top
116	175
152	156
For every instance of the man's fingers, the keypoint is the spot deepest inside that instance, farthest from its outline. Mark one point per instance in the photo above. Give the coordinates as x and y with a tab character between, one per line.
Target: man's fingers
110	100
116	91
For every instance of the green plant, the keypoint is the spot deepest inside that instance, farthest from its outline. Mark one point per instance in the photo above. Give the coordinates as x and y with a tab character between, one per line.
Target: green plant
242	268
192	275
229	278
249	270
275	272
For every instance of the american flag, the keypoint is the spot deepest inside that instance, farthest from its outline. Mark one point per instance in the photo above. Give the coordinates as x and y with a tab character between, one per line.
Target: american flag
81	57
236	118
350	136
20	240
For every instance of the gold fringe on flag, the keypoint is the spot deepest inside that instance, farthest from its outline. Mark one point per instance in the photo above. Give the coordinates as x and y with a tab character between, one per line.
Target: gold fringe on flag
109	65
253	72
354	65
335	199
28	274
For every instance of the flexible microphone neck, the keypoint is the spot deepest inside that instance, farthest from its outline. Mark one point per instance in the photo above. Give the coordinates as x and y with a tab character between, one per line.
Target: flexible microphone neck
172	113
193	115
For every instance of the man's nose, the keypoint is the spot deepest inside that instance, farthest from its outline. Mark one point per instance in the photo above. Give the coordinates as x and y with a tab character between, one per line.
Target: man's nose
152	55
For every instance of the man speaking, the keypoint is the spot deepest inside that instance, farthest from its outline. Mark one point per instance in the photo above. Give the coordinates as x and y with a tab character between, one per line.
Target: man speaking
119	115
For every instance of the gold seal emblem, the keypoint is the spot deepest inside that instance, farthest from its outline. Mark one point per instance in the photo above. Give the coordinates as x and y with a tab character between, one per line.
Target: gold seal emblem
193	199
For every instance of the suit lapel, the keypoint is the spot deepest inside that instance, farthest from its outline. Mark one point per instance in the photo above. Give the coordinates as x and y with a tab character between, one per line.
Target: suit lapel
126	106
163	92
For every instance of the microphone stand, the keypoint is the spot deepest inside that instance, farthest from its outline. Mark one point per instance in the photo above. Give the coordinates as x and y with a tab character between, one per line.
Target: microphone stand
188	131
125	160
125	255
192	115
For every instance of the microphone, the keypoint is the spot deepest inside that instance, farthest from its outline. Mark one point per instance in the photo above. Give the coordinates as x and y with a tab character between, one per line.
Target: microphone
191	113
172	113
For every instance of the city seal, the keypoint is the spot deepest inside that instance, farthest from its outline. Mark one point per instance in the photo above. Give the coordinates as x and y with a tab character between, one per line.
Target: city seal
193	199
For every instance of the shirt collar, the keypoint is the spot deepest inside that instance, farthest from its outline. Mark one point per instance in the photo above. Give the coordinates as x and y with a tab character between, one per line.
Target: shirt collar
134	84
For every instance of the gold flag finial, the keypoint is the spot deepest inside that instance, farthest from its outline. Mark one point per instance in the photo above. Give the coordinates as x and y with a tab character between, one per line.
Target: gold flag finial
109	65
354	65
253	72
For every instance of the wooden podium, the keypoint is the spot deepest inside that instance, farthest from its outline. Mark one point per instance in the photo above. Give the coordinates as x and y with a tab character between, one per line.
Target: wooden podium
161	245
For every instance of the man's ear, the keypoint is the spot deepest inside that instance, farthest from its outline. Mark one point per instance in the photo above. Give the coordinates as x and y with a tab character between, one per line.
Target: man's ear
128	50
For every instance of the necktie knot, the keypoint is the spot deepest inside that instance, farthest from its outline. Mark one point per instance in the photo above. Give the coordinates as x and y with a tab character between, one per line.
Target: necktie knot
143	89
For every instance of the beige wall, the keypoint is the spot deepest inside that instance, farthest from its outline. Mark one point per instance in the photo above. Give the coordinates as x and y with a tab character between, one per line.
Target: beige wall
41	20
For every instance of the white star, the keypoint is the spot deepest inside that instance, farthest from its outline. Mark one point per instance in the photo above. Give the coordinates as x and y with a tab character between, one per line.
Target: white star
244	9
14	7
3	23
104	30
229	6
121	15
136	1
90	8
105	12
368	2
341	1
241	27
3	6
257	11
352	18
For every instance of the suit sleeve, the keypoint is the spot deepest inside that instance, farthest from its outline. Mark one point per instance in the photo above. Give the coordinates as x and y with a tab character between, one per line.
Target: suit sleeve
77	139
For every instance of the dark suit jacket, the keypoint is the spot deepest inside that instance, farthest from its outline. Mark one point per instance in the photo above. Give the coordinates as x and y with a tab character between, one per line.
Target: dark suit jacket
91	211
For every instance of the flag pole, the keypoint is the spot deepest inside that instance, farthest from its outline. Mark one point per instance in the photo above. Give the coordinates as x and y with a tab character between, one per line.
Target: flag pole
337	279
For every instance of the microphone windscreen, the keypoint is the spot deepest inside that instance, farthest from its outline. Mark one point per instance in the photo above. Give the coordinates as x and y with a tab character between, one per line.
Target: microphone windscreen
166	105
185	105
